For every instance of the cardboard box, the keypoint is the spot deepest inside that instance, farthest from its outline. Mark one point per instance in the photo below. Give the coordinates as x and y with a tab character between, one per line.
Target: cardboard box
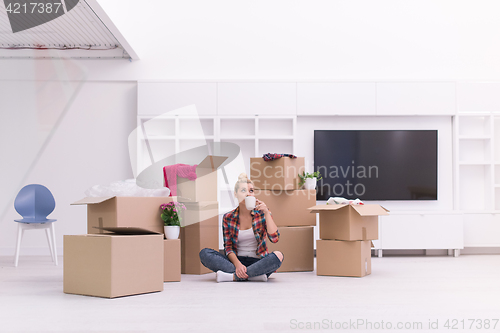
278	175
289	208
204	187
297	246
343	258
199	211
143	212
348	222
194	238
113	265
172	260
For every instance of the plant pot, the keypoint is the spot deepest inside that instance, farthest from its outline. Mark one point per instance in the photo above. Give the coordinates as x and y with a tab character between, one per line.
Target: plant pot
310	183
172	231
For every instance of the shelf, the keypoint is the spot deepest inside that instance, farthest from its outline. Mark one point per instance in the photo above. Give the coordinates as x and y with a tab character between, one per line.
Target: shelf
276	138
475	163
472	137
206	137
159	137
472	211
243	137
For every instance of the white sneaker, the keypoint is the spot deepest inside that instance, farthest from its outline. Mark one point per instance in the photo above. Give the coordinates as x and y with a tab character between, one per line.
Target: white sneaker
258	278
224	277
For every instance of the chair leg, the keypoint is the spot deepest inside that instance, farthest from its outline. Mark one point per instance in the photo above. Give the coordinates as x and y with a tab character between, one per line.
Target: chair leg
48	233
20	232
53	229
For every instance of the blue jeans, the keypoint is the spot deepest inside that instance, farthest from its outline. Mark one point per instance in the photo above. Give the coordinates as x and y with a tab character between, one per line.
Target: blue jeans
215	261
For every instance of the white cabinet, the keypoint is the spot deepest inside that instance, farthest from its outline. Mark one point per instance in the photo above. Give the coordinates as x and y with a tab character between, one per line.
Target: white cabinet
427	230
156	98
259	98
416	98
336	98
481	230
478	96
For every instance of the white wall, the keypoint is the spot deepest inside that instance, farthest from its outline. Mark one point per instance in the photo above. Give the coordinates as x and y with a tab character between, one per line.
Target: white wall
89	147
300	40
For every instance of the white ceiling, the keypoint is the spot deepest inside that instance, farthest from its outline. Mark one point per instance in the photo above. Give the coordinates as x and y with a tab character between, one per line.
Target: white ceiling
85	31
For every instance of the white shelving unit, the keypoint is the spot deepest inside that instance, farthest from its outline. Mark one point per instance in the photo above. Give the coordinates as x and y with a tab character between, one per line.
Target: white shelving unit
257	135
478	176
475	143
163	136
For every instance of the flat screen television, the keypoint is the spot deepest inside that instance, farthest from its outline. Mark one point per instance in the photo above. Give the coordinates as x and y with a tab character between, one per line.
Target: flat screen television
376	164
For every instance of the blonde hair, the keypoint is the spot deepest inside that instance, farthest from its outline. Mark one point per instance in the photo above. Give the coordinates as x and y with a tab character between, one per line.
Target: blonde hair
242	179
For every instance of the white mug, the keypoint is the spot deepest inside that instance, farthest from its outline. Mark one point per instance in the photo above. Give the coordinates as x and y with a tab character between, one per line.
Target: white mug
250	202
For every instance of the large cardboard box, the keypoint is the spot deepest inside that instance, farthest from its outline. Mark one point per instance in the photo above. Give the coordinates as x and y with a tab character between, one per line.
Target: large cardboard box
113	265
142	212
289	208
194	238
280	174
204	187
172	260
348	222
343	258
297	246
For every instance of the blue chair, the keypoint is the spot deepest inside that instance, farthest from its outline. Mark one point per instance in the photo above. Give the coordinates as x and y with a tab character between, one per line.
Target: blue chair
34	202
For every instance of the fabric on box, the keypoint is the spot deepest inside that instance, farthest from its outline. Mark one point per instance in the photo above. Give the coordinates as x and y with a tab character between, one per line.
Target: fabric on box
272	157
171	172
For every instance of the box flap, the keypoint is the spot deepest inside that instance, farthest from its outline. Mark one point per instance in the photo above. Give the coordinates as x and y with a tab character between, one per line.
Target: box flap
319	208
128	230
92	200
211	162
370	210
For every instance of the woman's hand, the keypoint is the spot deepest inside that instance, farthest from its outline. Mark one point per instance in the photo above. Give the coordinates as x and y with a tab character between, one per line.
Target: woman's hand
241	271
261	205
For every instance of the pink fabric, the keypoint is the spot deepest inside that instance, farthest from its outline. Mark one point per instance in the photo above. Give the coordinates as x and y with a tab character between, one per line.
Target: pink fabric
171	172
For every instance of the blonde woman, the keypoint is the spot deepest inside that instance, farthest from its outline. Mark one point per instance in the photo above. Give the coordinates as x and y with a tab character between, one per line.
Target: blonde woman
245	231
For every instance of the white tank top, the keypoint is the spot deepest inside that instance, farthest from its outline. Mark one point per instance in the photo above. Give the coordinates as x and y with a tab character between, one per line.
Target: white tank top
247	244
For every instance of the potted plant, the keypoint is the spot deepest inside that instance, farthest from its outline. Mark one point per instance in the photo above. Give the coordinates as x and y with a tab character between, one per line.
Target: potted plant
171	218
308	180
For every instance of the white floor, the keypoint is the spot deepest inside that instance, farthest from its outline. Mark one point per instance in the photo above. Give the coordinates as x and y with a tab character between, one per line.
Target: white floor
405	290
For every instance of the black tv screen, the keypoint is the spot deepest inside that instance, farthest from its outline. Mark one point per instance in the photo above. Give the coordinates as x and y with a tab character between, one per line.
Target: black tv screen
376	164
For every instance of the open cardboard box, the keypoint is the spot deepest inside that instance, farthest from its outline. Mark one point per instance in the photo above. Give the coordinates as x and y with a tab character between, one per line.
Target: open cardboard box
204	187
278	175
348	222
343	258
142	212
289	208
297	246
127	262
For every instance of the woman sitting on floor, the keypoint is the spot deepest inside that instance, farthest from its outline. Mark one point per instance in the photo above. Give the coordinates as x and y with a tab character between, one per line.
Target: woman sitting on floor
247	258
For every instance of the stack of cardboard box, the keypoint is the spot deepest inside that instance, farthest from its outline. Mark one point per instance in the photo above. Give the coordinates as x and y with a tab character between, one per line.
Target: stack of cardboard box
277	184
346	231
201	217
124	252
